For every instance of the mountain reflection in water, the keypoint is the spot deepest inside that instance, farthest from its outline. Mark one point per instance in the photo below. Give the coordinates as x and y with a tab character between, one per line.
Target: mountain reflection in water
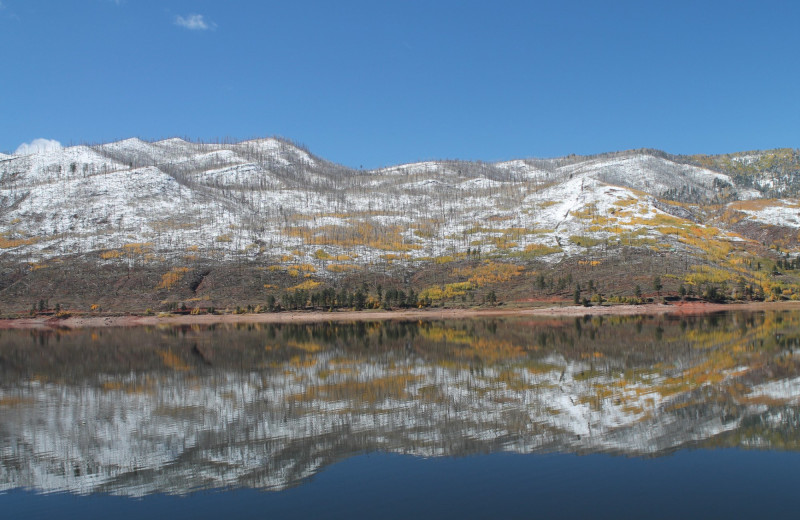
172	410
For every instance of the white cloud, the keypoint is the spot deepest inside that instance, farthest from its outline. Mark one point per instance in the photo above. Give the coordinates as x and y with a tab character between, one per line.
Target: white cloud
37	145
195	22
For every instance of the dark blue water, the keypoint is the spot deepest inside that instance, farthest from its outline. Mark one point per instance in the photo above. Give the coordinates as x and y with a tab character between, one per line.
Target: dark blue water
725	483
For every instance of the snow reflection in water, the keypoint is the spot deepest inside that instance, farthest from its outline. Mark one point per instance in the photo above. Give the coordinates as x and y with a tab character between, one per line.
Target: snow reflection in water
137	411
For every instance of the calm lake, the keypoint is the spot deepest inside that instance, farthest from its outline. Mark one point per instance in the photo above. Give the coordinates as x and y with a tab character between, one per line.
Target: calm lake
602	417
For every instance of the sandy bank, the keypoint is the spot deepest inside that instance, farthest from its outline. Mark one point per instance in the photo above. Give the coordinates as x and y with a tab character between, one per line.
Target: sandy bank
681	308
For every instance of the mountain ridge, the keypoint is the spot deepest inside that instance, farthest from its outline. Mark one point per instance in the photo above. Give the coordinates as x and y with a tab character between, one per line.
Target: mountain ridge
271	204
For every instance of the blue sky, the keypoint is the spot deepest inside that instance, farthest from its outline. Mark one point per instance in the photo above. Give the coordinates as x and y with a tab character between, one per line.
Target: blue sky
372	83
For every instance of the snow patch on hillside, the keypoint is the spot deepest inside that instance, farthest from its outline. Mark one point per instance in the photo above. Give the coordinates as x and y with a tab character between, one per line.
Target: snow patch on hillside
653	175
277	150
479	183
778	213
524	170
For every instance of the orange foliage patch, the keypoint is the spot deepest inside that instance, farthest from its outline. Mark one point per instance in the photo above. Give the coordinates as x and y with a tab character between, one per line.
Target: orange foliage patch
173	276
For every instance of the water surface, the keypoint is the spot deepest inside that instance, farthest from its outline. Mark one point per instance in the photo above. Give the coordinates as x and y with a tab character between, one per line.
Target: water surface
461	418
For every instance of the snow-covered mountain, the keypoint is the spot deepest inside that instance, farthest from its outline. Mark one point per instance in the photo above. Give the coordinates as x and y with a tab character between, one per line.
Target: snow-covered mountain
237	198
175	203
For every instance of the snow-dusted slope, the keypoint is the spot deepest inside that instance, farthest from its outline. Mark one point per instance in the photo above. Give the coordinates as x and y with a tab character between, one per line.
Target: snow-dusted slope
656	176
772	212
267	196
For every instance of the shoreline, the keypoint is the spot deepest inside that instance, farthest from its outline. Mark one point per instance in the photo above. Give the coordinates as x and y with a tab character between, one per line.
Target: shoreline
678	308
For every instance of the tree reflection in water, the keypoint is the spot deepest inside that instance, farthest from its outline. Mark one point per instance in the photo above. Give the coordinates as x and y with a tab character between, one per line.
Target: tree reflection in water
173	409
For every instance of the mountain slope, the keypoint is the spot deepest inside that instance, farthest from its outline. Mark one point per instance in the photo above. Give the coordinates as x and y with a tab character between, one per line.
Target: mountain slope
174	204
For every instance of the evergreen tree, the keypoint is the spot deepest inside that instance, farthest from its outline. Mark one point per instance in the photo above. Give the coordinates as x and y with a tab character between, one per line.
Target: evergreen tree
657	285
359	300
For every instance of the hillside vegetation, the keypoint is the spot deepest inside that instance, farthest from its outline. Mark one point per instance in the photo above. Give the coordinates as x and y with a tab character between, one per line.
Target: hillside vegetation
264	224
